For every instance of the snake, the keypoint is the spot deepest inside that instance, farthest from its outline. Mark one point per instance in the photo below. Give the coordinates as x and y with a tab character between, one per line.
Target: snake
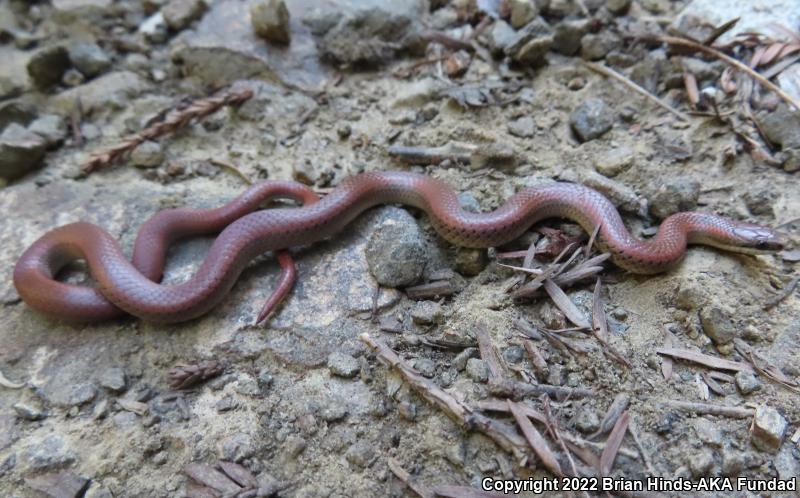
246	232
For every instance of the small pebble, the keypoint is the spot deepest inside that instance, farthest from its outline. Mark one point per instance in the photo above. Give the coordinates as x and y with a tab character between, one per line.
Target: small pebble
426	313
768	429
591	119
147	155
426	367
270	20
747	383
343	365
477	370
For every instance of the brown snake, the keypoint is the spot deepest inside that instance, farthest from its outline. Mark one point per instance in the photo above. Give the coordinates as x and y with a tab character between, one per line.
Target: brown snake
133	286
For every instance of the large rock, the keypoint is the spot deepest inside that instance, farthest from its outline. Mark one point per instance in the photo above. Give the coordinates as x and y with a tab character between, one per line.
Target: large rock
397	253
47	66
224	48
365	31
16	111
270	19
20	151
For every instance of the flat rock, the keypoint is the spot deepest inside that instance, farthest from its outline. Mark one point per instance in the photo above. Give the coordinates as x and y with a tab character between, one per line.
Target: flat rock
343	365
48	453
20	151
113	379
59	485
112	90
51	127
89	59
178	14
223	48
523	127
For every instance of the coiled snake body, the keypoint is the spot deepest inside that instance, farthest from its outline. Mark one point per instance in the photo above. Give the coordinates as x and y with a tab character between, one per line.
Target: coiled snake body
132	286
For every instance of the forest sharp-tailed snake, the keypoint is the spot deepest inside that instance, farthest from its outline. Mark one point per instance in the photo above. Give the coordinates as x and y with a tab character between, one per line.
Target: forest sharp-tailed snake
133	286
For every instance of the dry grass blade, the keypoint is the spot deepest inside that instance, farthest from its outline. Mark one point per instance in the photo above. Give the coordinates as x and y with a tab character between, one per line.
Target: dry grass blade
726	81
613	444
526	328
592	238
552	426
690	82
793	35
615	410
238	474
565	304
537	360
642	452
600	328
535	439
666	362
211	477
712	384
638	89
764	367
177	118
496	405
407	479
599	322
706	360
467	492
532	271
674	40
488	353
720	30
783	294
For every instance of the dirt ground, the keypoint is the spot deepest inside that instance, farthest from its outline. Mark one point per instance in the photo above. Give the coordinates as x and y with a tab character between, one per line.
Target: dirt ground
300	406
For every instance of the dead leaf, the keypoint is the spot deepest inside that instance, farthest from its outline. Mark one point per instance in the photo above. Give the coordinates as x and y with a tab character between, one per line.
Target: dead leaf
613	443
535	439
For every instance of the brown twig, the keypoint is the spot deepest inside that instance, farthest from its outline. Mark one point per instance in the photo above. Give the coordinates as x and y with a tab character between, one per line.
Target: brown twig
519	390
708	409
407	479
183	376
232	168
704	359
500	432
172	121
488	353
783	294
600	68
675	40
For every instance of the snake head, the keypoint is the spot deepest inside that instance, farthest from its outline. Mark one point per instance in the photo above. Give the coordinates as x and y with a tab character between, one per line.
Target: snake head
757	239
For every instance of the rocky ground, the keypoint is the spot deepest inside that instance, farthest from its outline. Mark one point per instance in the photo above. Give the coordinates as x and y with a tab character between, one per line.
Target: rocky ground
500	90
